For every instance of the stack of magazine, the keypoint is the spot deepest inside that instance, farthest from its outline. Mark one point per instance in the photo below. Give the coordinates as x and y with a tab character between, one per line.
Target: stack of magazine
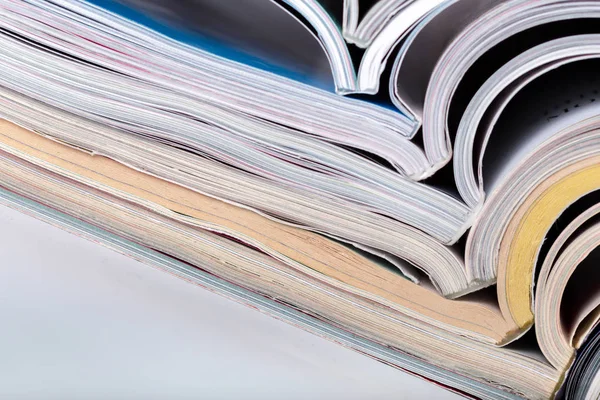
418	180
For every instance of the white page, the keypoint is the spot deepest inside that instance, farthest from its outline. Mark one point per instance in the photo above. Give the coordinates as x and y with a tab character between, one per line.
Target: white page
83	321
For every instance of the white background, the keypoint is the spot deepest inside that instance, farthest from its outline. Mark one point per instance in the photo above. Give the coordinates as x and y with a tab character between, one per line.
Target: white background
80	321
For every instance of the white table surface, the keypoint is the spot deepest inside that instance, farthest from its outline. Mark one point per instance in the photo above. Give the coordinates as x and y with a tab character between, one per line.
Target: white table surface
80	321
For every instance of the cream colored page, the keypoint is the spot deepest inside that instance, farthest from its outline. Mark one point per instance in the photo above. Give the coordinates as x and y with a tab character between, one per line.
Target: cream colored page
307	248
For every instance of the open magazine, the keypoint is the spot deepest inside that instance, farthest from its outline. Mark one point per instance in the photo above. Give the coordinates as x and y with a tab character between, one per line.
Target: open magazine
418	180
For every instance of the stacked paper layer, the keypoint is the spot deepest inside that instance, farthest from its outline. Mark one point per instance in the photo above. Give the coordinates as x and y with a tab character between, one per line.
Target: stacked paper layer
436	209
